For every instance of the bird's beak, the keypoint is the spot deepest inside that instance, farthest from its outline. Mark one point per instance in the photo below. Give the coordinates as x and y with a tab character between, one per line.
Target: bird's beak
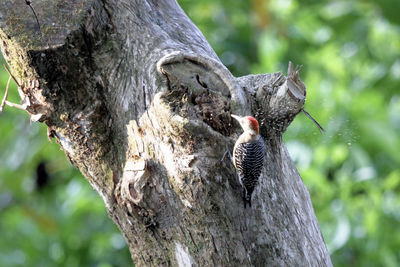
236	117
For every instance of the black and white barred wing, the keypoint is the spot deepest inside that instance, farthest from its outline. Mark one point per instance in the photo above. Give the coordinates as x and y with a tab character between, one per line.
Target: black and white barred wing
249	159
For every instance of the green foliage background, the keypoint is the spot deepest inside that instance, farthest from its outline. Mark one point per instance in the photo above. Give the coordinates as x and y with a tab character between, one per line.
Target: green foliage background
350	52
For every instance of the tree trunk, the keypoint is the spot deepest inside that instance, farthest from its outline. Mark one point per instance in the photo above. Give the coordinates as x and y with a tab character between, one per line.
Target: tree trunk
141	104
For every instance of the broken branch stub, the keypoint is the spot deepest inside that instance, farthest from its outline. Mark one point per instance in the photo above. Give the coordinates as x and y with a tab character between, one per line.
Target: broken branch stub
274	99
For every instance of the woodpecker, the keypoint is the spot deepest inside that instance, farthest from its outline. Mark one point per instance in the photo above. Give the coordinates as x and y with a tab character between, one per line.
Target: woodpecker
248	156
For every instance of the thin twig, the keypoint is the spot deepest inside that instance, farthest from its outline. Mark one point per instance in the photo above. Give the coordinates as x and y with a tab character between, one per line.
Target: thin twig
13	105
9	72
3	102
320	128
28	2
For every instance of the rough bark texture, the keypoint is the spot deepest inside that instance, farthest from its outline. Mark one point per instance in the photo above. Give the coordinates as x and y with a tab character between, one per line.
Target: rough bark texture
141	104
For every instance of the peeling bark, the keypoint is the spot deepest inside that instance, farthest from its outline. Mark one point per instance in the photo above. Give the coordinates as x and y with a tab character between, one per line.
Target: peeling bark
141	104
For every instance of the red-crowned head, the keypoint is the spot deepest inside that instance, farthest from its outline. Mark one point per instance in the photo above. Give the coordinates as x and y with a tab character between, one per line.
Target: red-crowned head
253	124
248	123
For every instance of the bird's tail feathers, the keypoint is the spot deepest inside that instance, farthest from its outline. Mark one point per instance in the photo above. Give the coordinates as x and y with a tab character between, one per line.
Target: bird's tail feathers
246	198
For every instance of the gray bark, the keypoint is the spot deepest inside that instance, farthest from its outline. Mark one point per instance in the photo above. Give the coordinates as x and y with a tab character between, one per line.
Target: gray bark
141	104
